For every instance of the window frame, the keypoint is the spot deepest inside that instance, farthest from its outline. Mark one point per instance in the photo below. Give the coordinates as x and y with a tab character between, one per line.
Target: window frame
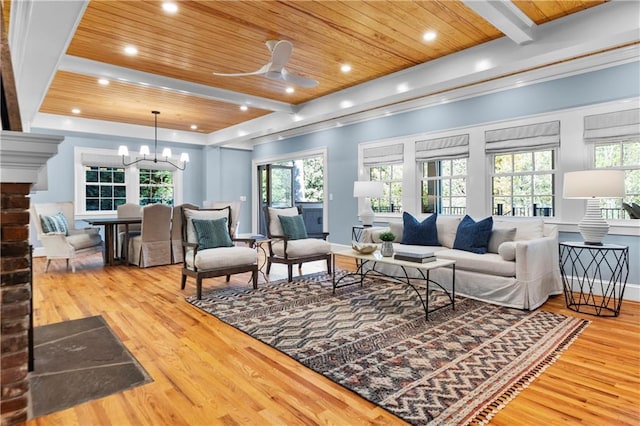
439	178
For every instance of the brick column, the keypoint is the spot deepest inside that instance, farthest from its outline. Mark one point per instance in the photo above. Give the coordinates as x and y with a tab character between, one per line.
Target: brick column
15	293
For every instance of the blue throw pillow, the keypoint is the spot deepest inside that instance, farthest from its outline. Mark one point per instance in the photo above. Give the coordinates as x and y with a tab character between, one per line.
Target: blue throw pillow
417	233
473	236
212	233
55	223
293	227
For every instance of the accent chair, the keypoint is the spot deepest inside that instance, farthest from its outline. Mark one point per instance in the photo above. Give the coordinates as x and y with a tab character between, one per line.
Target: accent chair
289	243
209	250
55	228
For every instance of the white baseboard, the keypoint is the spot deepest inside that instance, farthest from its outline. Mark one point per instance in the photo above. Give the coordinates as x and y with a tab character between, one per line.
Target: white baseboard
631	291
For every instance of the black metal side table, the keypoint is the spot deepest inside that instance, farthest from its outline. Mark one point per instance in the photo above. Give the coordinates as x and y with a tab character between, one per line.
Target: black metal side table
594	277
357	231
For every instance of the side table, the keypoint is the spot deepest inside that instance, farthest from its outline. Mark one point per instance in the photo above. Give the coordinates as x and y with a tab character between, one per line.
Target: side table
357	231
594	277
258	241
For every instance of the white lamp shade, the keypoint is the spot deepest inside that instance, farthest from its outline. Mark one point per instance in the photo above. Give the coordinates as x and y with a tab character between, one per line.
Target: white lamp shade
184	157
123	150
367	188
594	184
144	150
166	152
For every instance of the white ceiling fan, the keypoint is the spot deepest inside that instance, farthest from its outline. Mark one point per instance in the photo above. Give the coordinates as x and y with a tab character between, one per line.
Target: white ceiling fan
280	53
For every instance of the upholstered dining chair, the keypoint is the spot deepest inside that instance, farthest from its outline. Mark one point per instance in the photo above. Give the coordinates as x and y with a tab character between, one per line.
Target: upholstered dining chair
127	210
176	231
153	246
56	230
289	243
209	250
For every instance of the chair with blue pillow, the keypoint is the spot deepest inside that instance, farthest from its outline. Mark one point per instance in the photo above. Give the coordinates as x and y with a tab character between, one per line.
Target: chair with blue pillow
289	243
56	230
210	251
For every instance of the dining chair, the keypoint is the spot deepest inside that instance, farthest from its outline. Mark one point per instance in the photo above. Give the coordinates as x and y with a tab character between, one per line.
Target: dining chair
289	243
127	210
56	230
153	246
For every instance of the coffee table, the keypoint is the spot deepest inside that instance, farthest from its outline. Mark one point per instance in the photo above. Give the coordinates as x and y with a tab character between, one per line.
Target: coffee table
374	258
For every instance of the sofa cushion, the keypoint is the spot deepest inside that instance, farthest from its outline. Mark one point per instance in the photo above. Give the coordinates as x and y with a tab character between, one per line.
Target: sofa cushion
302	248
82	240
212	233
488	263
447	228
223	257
473	236
293	227
526	228
499	236
423	233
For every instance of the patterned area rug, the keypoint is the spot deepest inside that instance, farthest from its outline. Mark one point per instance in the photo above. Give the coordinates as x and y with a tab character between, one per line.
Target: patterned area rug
458	367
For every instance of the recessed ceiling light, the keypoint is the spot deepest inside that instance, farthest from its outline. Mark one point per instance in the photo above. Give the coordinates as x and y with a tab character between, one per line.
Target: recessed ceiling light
243	107
346	104
130	50
169	7
482	65
402	87
429	36
290	89
194	127
76	110
345	68
103	81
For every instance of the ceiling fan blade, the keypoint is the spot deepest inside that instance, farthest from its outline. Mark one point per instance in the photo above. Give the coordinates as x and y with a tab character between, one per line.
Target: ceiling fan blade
280	54
298	80
263	70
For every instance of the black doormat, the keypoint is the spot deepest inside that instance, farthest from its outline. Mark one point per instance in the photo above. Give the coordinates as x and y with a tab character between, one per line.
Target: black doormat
78	361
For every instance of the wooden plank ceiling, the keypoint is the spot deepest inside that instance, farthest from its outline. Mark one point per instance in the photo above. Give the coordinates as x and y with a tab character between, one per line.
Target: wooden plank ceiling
375	37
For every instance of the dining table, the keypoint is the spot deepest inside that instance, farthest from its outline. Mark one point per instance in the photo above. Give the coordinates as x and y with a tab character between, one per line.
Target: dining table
111	236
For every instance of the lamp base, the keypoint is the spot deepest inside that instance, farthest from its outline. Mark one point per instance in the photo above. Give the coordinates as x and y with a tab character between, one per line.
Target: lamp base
366	214
593	227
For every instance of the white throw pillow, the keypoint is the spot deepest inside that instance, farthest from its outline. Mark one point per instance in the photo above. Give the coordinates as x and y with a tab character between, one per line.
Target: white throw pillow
499	236
447	227
507	250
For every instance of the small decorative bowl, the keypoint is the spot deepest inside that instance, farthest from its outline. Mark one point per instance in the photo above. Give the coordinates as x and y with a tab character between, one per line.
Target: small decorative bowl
363	248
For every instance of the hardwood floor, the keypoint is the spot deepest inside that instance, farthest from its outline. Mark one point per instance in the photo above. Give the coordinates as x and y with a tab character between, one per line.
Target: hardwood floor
206	372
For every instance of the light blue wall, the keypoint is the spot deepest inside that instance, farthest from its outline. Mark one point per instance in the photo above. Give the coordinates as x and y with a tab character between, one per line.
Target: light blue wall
615	83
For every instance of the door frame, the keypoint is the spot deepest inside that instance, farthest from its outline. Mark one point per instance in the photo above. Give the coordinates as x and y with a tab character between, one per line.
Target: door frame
255	192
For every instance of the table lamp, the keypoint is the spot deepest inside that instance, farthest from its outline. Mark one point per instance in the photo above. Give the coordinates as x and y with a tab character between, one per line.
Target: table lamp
367	189
592	185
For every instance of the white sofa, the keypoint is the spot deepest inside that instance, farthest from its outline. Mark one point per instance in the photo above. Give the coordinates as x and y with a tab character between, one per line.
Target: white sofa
522	276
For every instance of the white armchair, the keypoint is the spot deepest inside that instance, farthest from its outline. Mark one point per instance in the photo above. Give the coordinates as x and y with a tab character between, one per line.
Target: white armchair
59	236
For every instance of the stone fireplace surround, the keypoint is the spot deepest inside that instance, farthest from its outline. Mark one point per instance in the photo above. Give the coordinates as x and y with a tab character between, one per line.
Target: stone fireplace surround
23	157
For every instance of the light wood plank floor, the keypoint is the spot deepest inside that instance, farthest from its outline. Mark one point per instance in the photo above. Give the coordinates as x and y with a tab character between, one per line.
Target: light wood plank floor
206	372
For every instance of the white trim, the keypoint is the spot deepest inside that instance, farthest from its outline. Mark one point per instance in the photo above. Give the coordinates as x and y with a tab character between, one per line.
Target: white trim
255	194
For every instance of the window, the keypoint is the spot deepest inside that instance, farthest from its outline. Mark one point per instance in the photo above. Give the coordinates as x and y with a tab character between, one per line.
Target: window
105	188
616	144
523	184
384	163
391	177
102	183
443	165
444	186
523	169
156	187
623	155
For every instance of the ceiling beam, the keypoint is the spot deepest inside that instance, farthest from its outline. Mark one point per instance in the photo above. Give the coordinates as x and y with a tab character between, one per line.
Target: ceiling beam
506	17
96	69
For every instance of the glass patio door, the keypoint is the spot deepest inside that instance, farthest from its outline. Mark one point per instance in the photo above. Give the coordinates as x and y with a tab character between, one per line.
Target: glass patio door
276	189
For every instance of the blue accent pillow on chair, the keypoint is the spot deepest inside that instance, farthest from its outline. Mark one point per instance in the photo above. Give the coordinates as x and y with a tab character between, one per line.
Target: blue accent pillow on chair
212	233
473	236
416	233
55	223
293	227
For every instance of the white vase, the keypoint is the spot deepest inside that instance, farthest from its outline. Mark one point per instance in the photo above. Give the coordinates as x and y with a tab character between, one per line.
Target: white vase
386	249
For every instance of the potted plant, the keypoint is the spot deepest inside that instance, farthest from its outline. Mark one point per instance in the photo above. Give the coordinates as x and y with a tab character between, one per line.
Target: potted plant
387	238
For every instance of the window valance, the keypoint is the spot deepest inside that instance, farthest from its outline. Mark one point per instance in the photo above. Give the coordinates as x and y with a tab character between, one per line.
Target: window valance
612	126
381	155
443	148
101	160
533	136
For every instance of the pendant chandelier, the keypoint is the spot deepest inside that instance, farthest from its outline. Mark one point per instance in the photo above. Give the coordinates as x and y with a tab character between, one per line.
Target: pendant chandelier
144	152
